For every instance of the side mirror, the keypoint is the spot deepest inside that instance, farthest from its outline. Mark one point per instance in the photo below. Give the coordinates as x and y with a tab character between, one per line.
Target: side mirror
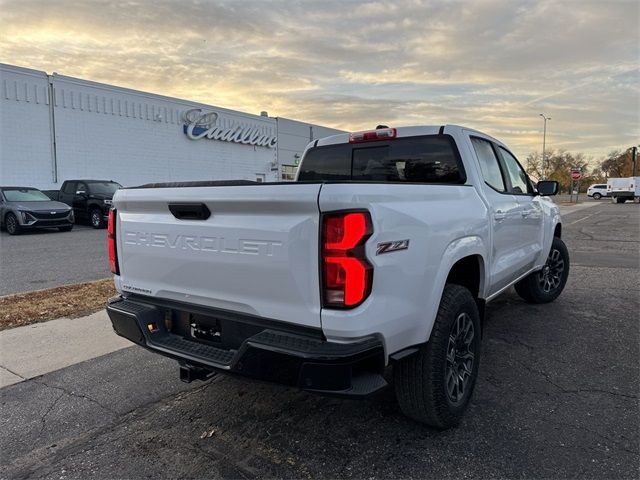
547	188
81	192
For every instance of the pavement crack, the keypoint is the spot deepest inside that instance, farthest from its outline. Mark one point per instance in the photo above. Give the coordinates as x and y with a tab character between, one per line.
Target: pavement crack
576	390
43	419
77	395
13	373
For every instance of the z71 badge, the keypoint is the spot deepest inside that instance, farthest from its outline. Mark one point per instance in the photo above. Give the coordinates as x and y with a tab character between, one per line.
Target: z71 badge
388	247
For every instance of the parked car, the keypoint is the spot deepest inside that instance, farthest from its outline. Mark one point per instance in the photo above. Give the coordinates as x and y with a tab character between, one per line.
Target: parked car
597	191
383	253
22	208
622	189
90	199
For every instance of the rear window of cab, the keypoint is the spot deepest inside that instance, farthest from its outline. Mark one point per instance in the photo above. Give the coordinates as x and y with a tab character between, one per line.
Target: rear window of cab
423	159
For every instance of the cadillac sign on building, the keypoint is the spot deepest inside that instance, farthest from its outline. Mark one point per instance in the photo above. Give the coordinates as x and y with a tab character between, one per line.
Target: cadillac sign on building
199	124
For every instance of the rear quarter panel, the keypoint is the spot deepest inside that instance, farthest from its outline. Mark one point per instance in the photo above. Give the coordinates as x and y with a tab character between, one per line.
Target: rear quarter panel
443	224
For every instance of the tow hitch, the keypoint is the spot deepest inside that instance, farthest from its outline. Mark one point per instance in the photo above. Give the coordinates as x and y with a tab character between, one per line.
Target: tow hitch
189	373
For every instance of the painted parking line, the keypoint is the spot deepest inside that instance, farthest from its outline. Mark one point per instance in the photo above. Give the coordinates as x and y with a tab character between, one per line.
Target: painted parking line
580	219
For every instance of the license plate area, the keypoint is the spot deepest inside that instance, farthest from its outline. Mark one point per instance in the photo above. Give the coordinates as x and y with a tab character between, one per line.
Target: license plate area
210	332
218	332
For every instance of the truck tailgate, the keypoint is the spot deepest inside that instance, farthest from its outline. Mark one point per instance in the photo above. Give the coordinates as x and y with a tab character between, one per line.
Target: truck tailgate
257	253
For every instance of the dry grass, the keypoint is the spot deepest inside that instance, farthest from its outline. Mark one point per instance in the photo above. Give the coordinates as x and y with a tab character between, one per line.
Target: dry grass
69	301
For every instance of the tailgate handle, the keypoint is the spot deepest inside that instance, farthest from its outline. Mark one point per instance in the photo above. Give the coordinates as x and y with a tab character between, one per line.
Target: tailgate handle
189	211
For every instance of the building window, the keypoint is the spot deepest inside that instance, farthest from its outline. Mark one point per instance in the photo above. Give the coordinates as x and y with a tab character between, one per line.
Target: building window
289	173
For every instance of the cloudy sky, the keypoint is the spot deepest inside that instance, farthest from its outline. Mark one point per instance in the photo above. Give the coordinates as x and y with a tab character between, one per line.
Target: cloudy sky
493	65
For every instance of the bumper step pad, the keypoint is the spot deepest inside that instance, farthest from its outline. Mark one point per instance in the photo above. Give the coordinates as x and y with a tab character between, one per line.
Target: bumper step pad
344	369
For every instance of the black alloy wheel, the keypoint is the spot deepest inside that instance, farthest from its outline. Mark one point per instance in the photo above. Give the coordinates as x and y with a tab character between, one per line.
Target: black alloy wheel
460	358
550	277
546	284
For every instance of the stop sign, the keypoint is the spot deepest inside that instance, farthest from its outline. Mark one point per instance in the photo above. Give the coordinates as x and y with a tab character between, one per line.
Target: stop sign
575	175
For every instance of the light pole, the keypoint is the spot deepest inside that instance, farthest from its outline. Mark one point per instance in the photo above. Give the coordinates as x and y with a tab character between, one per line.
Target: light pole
544	142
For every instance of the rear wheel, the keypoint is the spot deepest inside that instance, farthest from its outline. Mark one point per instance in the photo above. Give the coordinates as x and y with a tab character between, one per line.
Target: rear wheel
96	218
546	285
11	224
597	196
434	385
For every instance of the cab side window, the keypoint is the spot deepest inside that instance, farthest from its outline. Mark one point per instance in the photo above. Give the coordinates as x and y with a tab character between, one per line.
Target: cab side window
518	178
81	187
489	164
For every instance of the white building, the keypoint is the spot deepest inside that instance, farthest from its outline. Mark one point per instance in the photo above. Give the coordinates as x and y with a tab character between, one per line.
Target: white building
54	128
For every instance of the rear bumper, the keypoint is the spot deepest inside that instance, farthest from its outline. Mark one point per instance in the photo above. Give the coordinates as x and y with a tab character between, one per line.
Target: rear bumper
265	352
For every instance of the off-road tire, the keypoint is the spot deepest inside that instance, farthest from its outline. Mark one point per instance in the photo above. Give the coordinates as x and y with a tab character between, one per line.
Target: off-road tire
532	288
11	224
420	380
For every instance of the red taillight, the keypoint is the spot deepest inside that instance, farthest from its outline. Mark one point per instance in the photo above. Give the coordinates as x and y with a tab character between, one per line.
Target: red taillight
373	135
346	273
111	243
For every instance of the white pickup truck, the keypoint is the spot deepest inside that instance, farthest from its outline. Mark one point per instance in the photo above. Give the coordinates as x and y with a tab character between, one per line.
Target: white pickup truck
382	254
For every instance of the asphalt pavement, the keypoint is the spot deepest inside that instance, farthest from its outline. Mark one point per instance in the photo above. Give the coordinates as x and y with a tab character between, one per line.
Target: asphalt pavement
46	258
557	397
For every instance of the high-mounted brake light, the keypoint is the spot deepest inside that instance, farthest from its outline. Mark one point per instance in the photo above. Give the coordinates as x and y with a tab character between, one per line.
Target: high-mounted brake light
373	135
111	243
346	273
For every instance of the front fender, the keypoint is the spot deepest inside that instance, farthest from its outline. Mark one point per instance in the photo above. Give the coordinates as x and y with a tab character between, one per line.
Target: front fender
551	220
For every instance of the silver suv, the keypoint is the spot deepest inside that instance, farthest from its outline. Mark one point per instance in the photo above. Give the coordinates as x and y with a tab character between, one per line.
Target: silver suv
27	207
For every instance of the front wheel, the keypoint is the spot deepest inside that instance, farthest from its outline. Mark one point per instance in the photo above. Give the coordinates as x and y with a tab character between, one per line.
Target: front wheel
96	218
546	285
11	224
597	196
434	385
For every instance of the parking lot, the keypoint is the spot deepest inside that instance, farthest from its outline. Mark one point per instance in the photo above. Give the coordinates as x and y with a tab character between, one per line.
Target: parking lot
557	396
46	258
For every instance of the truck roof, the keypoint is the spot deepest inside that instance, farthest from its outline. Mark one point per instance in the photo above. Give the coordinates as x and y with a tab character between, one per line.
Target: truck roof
88	180
409	131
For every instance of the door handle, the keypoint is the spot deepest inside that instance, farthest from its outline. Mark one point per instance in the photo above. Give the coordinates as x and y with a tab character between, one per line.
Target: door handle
499	216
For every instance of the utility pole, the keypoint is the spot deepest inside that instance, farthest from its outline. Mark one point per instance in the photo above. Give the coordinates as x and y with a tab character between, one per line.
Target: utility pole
544	142
634	160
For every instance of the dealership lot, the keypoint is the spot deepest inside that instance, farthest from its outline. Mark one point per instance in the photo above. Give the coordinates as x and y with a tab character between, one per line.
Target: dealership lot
557	397
44	258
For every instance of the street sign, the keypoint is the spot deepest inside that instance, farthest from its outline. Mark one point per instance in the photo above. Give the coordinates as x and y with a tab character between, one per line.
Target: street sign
576	175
